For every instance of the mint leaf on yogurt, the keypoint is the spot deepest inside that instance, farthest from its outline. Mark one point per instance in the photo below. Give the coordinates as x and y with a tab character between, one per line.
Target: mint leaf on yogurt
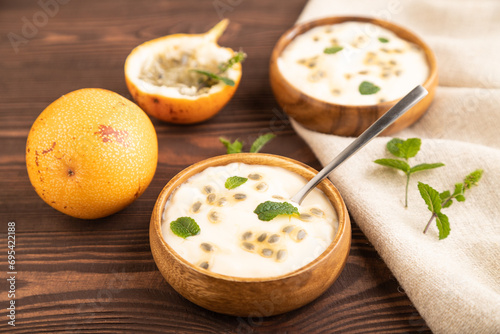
367	88
383	40
234	182
184	227
269	210
333	49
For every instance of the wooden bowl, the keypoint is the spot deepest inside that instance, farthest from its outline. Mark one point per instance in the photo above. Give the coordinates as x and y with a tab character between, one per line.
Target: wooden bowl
251	296
345	120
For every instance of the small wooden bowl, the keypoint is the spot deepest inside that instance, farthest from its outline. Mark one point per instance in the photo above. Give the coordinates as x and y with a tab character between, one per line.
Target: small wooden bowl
337	119
251	296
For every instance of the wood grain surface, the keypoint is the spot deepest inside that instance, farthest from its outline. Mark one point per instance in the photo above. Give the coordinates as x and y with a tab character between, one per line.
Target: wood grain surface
99	276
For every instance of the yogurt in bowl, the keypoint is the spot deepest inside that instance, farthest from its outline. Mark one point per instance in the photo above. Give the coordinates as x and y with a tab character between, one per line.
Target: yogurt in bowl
232	239
338	75
244	261
331	62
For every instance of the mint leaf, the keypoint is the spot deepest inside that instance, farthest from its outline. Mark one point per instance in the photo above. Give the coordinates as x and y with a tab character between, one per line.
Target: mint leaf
393	146
232	147
184	227
444	195
239	57
394	163
260	142
234	182
410	147
421	167
443	225
269	210
459	189
404	148
431	197
447	204
367	88
214	76
473	178
383	40
460	198
333	49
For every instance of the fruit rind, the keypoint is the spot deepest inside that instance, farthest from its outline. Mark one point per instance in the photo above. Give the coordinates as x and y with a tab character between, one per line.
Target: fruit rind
91	153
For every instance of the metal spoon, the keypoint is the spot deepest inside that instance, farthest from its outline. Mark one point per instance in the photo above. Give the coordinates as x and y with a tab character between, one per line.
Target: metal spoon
383	122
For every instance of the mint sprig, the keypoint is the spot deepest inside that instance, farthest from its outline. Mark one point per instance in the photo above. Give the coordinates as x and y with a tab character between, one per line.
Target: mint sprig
261	141
234	147
269	210
184	227
368	88
234	182
406	149
237	146
383	40
239	57
437	201
213	78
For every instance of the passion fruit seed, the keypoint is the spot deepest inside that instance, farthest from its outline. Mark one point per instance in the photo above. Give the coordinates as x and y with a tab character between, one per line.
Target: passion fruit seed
273	238
301	234
213	216
262	186
288	229
317	212
267	252
278	197
262	237
298	234
204	265
208	189
239	197
196	207
255	177
305	217
211	198
316	75
248	246
206	247
222	201
246	235
281	255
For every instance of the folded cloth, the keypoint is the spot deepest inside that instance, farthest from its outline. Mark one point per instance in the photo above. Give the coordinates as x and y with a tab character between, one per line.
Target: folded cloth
454	283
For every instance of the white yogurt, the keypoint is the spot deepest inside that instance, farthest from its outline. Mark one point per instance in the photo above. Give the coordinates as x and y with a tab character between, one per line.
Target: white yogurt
290	242
395	66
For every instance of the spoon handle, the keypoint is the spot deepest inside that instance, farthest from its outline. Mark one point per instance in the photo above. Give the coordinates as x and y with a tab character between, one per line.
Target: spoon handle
383	122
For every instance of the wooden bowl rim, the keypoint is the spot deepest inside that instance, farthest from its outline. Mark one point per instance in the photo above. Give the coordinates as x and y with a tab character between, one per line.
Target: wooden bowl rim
222	160
301	28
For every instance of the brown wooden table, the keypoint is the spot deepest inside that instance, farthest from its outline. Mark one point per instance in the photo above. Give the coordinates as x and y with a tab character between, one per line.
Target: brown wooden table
99	276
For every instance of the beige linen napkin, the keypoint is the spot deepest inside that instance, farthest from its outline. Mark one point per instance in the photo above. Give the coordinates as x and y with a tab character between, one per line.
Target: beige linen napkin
454	283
